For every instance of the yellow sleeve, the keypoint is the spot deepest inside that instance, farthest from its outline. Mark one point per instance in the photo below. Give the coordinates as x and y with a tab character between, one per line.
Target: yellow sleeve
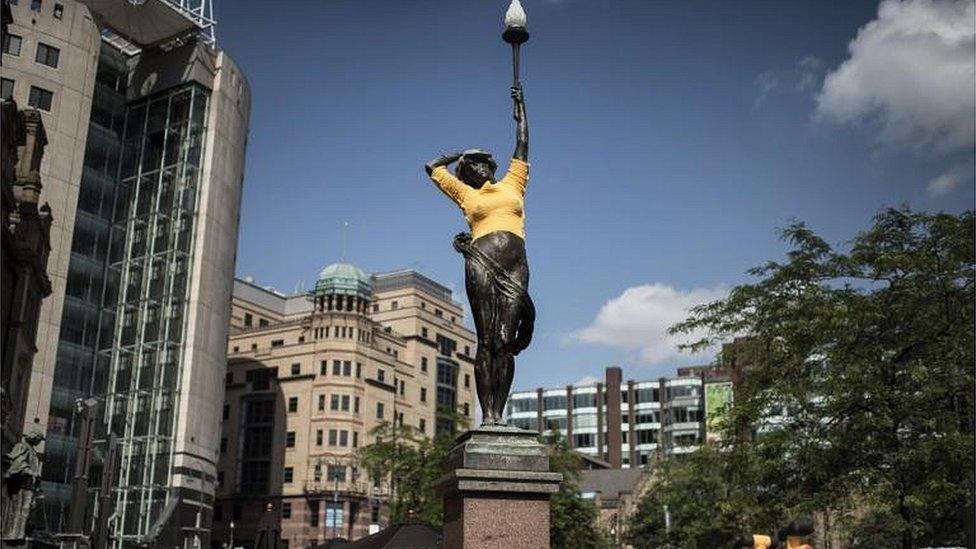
518	175
450	185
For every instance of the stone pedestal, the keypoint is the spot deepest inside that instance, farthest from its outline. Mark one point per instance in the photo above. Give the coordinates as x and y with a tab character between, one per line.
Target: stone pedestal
496	490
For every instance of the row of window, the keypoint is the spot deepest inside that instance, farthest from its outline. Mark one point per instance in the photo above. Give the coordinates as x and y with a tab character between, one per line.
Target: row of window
38	98
45	54
588	400
35	5
337	437
343	332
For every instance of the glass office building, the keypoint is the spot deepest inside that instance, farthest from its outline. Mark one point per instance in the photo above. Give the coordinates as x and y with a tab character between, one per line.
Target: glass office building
146	302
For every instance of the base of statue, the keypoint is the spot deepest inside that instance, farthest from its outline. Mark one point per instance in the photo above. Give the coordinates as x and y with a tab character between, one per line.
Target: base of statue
496	489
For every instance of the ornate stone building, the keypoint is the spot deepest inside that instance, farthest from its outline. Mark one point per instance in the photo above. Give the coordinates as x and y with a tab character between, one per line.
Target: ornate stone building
308	378
25	233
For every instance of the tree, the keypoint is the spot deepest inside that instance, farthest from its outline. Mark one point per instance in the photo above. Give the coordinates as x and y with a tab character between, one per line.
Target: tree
712	497
572	519
869	355
411	462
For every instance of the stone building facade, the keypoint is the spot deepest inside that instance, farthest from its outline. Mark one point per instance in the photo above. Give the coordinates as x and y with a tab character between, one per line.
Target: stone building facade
308	378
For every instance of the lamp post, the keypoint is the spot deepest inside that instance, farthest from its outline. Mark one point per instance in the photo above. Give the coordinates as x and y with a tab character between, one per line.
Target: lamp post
515	34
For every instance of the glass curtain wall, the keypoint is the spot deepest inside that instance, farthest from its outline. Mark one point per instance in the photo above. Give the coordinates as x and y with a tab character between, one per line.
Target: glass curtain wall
159	184
86	324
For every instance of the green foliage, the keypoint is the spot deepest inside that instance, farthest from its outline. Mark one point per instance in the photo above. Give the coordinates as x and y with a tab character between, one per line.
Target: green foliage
869	353
409	462
572	520
712	498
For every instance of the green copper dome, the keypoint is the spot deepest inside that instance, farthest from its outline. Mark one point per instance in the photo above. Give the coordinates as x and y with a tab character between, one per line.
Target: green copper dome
344	279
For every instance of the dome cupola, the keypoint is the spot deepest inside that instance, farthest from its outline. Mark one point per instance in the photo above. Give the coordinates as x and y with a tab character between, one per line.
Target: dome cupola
343	287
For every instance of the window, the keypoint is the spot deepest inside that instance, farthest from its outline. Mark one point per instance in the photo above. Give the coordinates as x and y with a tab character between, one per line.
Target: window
323	367
467	381
11	44
58	11
336	473
355	439
321	403
379	410
467	409
47	55
40	98
333	437
423	305
345	403
355	405
423	394
296	369
35	5
226	414
394	306
290	439
277	342
347	368
286	509
359	370
584	400
248	320
236	349
376	308
343	438
423	425
313	513
318	437
380	375
438	312
423	364
336	367
334	403
262	322
6	89
292	405
403	386
423	333
289	475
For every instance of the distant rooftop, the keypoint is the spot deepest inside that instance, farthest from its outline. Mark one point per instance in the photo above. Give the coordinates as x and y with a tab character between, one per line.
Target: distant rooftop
299	303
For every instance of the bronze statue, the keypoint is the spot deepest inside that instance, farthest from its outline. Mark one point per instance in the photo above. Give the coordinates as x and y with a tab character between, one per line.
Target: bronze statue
495	267
20	479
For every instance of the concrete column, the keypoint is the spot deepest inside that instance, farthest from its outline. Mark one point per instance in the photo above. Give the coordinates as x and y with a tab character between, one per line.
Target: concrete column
632	431
614	440
569	416
599	420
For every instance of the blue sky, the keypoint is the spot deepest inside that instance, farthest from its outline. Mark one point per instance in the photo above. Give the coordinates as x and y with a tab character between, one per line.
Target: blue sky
669	141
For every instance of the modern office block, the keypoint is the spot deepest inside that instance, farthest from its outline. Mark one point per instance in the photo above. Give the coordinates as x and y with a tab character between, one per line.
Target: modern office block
147	122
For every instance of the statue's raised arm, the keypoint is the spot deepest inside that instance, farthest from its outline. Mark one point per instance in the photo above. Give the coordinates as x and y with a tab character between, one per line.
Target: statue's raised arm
521	126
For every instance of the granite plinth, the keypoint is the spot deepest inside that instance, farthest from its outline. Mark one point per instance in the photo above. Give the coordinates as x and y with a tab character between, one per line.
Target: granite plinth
496	489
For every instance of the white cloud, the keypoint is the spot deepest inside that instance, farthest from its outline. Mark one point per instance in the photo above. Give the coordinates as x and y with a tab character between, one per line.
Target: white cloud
585	380
638	320
951	179
910	79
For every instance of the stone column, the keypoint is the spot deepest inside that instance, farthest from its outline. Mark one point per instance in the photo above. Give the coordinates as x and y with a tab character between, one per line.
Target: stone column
496	490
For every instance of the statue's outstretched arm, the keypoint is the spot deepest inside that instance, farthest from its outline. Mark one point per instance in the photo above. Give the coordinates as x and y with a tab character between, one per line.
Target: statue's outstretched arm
521	126
443	160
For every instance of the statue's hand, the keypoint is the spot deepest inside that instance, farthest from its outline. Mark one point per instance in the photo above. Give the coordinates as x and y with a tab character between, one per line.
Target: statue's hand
518	109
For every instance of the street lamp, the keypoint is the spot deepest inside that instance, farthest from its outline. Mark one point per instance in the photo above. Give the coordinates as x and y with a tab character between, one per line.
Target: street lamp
515	34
